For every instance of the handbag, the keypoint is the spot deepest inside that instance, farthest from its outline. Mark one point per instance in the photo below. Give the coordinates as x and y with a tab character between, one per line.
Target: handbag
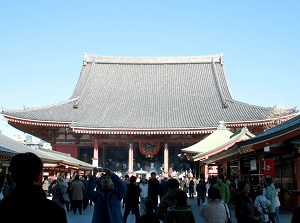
229	220
64	198
264	209
1	193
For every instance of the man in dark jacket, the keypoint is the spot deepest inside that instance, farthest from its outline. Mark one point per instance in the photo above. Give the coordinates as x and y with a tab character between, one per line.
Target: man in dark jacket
169	199
201	191
153	189
27	201
163	187
131	199
296	215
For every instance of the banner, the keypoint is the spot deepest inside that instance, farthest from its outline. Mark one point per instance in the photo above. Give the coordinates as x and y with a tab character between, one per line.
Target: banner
269	168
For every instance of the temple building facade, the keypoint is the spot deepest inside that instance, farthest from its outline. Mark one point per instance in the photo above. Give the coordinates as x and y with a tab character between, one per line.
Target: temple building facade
129	113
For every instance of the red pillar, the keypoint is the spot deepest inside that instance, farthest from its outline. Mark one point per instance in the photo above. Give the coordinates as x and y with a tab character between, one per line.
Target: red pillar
130	159
95	153
103	155
205	171
166	159
261	160
296	177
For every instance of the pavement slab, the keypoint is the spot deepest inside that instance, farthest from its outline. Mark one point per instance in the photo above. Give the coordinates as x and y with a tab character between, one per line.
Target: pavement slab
87	215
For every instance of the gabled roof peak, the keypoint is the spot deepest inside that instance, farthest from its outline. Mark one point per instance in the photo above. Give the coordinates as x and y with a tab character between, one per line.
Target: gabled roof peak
89	58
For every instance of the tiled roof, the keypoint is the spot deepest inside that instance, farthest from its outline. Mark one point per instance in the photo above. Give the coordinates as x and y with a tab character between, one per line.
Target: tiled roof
226	144
140	93
279	130
10	146
217	138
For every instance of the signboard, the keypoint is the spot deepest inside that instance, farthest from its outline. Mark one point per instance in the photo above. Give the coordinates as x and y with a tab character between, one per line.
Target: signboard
5	163
212	169
268	168
253	165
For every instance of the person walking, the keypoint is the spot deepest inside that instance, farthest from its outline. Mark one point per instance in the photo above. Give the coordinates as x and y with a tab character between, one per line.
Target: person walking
143	195
270	193
163	187
191	188
126	181
27	201
153	189
214	210
77	189
85	201
201	191
296	215
107	197
245	211
169	199
131	199
150	216
58	190
260	203
277	202
69	192
180	212
4	188
223	188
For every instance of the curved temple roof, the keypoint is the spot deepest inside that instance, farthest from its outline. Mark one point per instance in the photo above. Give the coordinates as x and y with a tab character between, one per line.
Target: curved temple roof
148	93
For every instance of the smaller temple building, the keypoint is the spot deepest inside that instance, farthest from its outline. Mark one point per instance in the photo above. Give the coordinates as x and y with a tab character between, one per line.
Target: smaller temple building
274	153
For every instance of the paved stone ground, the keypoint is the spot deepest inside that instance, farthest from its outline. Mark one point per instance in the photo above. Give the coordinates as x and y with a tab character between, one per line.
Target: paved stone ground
86	217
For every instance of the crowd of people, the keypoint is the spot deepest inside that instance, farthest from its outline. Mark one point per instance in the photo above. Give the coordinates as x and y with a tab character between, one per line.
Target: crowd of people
152	199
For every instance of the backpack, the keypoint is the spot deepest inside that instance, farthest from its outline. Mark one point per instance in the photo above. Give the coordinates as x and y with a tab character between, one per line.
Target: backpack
1	194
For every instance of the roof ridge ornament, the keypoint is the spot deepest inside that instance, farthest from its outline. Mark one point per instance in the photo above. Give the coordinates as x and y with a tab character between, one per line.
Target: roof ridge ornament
75	105
221	126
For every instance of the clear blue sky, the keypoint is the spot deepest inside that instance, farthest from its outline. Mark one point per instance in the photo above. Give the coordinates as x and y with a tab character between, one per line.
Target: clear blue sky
42	44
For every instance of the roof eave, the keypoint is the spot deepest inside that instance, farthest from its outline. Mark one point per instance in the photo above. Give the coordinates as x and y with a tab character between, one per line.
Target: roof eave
37	122
259	142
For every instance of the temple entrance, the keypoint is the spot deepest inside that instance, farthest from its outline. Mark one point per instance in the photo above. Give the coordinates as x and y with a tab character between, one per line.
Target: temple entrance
116	159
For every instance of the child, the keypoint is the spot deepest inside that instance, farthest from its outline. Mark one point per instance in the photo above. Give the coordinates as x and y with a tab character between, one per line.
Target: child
260	202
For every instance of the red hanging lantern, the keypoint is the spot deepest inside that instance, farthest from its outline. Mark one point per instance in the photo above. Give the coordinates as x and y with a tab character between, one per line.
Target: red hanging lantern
149	149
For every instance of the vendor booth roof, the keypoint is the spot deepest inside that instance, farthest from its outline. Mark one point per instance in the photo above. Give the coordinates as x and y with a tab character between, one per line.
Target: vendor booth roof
10	147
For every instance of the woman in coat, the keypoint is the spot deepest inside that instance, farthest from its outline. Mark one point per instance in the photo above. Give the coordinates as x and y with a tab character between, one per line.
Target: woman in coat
271	196
260	202
245	211
4	189
180	212
214	210
57	190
